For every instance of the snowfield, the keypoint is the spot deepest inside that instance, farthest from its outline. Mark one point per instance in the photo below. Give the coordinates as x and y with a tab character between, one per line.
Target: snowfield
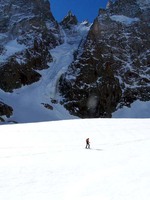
48	160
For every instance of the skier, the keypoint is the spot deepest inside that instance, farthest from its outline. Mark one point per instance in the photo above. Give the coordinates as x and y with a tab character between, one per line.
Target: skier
87	144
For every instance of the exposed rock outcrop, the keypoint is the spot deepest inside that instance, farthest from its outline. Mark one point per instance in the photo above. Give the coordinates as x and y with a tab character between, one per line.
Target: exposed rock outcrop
33	29
5	110
14	75
113	69
69	21
28	31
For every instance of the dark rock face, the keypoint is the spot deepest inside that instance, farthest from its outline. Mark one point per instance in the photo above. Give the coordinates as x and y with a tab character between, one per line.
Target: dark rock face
14	75
128	8
37	56
113	69
27	19
31	24
5	110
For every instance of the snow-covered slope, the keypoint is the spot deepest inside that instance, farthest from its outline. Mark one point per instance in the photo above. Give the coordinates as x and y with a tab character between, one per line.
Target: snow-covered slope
28	102
49	160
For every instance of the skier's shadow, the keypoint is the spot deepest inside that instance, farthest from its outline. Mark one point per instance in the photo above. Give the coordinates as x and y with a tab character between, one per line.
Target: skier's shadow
96	149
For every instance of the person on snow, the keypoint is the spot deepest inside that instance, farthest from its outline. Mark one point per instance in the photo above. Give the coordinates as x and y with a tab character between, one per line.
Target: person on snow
87	144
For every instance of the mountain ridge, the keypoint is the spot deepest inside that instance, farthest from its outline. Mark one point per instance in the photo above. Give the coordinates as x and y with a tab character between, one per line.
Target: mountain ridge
114	66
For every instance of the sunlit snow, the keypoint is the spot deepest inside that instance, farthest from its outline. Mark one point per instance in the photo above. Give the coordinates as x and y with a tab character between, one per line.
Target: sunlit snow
11	48
138	109
49	160
124	19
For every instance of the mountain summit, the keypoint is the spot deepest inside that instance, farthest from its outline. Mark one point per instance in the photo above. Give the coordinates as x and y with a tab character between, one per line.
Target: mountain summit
69	20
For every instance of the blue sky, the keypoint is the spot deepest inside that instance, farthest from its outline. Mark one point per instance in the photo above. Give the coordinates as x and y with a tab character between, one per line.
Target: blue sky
83	9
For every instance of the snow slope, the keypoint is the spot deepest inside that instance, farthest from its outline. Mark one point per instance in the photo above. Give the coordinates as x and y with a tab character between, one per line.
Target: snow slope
28	101
49	161
138	109
11	48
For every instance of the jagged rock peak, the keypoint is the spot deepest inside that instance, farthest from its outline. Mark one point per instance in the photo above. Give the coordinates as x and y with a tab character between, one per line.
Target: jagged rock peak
124	4
28	24
69	20
113	69
125	7
22	17
129	8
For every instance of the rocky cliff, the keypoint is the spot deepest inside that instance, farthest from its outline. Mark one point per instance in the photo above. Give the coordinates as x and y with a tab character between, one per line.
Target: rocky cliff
28	31
114	67
31	25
